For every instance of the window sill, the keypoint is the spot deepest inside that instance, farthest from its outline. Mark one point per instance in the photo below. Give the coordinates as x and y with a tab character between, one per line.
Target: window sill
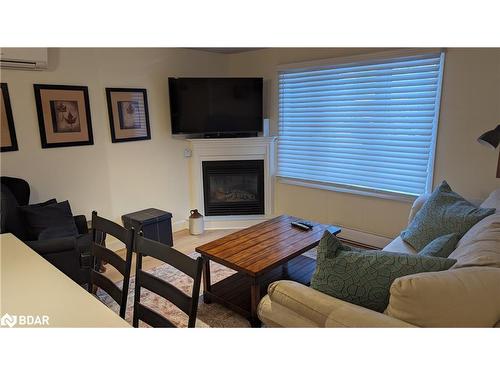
401	197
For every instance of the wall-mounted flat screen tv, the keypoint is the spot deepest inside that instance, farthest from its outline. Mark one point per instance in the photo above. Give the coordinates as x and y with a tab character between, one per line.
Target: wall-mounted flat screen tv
216	106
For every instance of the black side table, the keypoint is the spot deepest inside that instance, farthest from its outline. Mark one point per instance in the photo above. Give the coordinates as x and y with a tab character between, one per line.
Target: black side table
154	223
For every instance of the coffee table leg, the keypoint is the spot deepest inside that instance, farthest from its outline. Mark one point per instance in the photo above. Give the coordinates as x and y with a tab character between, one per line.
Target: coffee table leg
255	299
207	286
284	271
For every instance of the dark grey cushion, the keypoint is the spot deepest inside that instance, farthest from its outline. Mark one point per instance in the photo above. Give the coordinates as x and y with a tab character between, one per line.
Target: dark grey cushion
47	220
57	232
53	245
41	204
11	219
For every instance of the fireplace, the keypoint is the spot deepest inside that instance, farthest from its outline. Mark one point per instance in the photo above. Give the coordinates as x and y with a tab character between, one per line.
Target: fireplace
233	187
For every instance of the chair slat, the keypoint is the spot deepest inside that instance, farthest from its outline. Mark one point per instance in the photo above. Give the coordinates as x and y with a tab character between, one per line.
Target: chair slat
109	256
196	294
114	229
107	285
166	254
151	317
100	228
191	267
166	290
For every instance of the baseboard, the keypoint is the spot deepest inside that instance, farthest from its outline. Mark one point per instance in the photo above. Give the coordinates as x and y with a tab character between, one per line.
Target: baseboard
349	234
360	237
114	244
179	225
236	222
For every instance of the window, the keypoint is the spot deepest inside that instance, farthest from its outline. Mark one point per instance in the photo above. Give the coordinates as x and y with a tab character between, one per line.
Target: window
367	126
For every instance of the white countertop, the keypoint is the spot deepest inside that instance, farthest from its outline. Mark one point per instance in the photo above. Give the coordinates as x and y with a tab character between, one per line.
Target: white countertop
31	286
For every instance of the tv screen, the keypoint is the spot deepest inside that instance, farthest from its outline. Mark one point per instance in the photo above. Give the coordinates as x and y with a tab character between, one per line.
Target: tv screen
215	105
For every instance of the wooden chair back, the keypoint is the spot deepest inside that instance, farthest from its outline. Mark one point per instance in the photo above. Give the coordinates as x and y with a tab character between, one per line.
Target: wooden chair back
100	228
191	267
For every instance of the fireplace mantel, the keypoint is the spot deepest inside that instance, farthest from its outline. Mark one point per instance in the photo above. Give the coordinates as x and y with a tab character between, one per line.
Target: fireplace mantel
254	148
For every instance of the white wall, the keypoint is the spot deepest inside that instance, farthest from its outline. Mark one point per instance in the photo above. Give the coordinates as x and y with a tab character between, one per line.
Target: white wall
120	178
112	178
470	105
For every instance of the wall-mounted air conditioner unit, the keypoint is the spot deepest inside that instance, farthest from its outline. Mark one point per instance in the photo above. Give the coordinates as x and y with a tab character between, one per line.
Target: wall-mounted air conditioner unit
23	58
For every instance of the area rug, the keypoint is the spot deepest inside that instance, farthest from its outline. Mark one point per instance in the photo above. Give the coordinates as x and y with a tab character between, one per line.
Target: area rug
209	315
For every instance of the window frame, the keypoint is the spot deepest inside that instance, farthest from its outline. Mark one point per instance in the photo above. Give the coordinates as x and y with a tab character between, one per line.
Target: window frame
352	189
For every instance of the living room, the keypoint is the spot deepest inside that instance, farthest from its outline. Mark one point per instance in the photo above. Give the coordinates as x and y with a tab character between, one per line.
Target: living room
211	184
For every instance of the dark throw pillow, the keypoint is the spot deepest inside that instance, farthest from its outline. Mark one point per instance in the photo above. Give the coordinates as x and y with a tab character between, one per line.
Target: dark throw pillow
41	204
49	219
441	246
11	218
444	212
57	232
365	277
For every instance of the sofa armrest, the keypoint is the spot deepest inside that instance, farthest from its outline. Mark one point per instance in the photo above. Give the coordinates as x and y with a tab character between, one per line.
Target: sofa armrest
460	297
321	309
346	314
417	205
53	245
81	224
274	315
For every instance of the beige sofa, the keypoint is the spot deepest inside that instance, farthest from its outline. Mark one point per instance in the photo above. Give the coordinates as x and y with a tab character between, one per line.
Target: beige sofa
467	295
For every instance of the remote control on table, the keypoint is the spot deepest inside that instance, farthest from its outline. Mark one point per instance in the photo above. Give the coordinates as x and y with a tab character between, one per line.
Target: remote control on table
300	225
306	223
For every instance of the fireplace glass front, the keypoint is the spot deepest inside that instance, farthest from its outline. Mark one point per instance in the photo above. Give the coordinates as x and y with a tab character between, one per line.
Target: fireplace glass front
233	187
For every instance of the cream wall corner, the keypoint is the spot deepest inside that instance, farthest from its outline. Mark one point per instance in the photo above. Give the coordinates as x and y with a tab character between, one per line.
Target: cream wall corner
469	107
111	178
124	177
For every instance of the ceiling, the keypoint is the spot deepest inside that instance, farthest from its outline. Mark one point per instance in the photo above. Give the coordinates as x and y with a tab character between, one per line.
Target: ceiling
227	50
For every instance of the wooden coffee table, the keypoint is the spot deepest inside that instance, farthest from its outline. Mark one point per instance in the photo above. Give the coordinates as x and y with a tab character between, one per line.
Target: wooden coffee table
260	254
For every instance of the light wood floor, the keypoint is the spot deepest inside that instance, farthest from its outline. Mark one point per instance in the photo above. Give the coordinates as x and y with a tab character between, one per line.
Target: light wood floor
183	241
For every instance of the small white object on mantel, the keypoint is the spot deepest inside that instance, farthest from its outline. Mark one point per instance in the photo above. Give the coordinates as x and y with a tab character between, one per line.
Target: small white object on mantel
221	149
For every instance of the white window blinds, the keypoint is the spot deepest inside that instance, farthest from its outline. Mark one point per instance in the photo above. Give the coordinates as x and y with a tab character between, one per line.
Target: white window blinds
367	125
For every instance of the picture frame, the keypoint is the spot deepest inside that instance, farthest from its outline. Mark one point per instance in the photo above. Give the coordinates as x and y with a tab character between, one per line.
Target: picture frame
64	117
498	166
128	114
7	130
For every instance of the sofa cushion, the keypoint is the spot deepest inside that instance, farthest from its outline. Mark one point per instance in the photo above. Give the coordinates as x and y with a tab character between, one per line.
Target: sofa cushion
42	204
57	232
480	246
397	245
493	201
417	205
39	218
444	212
441	247
364	277
290	304
455	298
11	219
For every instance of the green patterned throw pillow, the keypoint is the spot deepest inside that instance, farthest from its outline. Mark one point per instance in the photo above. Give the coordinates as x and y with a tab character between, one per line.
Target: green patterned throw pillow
364	277
441	246
444	212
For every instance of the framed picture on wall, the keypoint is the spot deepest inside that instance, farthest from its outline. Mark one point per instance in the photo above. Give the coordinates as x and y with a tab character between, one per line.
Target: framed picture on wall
63	115
128	114
7	131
